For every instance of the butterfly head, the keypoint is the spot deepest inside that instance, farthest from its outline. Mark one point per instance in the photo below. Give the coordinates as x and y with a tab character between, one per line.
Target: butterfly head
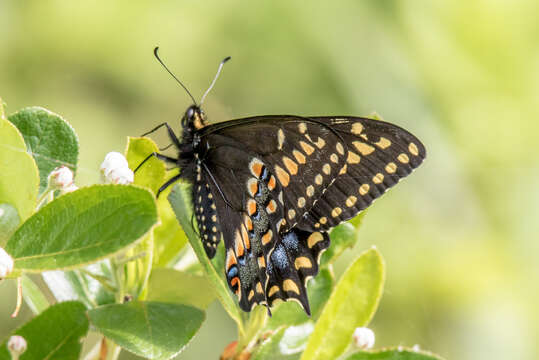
194	118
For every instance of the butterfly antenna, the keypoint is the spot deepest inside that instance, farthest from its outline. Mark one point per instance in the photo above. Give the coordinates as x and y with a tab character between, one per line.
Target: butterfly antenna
170	72
215	78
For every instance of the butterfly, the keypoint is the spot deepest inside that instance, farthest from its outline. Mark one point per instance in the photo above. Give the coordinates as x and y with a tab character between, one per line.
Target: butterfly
273	186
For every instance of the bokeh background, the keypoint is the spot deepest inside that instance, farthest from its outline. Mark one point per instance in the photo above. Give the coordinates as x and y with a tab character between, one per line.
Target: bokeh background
460	236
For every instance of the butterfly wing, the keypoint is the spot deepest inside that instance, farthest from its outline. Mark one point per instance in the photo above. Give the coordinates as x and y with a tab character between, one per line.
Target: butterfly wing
280	182
379	155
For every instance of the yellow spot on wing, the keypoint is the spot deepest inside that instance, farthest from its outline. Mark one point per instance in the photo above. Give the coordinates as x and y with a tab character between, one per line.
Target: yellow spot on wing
252	186
326	169
318	179
378	178
301	202
290	165
266	238
413	149
259	288
302	127
340	148
310	190
306	147
299	156
290	285
323	220
353	158
363	189
334	158
383	143
320	143
282	175
304	262
391	168
273	290
403	158
336	212
251	294
271	183
291	213
363	148
280	139
357	128
314	238
351	201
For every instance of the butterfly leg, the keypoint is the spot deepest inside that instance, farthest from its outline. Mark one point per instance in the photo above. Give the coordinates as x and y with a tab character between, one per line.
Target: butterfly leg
171	133
168	183
160	157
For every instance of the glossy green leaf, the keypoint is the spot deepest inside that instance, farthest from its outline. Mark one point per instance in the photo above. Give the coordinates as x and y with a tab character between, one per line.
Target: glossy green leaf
318	291
81	227
56	333
20	178
49	138
152	173
352	304
394	354
171	286
149	329
138	269
181	204
33	297
9	220
343	237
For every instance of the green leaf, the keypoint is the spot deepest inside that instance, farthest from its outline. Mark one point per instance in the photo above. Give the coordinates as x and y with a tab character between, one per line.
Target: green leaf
81	227
394	354
20	178
54	334
49	138
318	291
343	237
171	286
181	204
352	304
149	329
152	174
9	220
33	297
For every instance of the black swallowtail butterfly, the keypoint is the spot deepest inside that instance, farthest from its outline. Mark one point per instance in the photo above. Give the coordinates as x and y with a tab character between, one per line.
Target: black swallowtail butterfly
273	186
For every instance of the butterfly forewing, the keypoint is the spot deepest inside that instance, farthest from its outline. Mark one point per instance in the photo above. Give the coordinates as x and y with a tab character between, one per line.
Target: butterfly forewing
379	154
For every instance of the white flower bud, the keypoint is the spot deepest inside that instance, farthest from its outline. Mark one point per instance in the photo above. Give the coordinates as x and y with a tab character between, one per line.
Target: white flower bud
363	338
60	177
16	345
113	160
123	176
6	264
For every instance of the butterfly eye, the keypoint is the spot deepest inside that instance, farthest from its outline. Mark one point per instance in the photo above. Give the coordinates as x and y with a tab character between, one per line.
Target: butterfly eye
190	113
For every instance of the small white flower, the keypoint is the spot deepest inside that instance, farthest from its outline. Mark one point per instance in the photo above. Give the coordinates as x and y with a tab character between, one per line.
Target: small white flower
363	338
123	176
6	264
16	345
416	348
60	177
113	160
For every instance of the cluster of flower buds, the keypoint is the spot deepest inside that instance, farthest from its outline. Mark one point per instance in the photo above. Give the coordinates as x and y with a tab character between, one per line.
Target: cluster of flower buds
61	178
115	169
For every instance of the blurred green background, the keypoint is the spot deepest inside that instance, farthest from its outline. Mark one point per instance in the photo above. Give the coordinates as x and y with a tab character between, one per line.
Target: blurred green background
459	236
